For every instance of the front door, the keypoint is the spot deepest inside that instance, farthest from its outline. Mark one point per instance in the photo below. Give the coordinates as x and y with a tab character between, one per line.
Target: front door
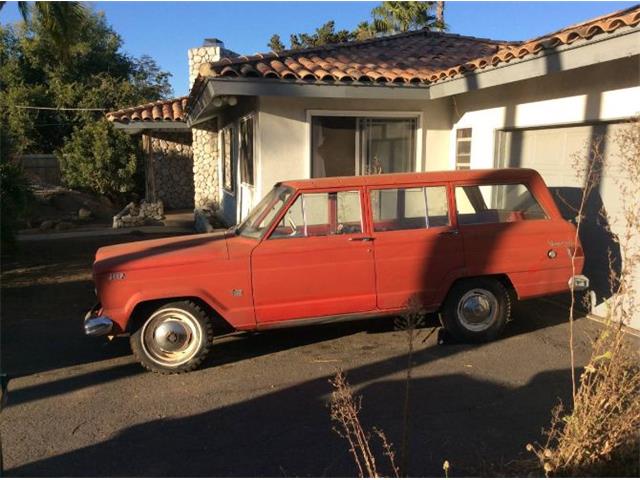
318	261
416	248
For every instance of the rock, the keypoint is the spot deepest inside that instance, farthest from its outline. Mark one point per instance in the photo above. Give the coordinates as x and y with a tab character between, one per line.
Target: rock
64	226
47	225
84	214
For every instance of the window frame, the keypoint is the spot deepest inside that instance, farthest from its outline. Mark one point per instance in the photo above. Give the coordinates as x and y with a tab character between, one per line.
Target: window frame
448	192
493	183
418	160
365	219
457	155
234	131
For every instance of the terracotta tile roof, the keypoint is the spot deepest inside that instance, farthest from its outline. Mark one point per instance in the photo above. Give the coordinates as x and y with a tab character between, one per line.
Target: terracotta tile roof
416	58
411	57
173	110
419	57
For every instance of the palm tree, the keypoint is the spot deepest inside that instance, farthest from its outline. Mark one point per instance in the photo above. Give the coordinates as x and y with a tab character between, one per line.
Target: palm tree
60	20
398	16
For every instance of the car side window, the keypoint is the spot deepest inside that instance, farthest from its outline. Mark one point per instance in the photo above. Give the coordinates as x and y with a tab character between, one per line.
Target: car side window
321	214
479	204
409	208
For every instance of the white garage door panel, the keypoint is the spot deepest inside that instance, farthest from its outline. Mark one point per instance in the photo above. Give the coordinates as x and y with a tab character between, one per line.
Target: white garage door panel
554	153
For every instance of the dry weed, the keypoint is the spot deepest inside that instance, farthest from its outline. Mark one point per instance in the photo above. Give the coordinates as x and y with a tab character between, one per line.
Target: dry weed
600	433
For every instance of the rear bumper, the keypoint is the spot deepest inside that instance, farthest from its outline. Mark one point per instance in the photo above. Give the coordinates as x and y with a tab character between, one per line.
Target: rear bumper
96	326
578	283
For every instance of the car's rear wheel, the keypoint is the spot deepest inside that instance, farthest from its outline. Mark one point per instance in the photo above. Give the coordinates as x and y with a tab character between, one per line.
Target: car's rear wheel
477	310
175	338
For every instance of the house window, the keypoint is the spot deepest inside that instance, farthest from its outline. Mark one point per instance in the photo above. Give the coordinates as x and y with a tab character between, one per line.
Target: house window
227	155
345	145
245	153
463	149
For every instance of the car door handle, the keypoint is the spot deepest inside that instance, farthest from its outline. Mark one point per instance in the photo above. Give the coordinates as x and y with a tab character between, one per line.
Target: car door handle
361	239
450	232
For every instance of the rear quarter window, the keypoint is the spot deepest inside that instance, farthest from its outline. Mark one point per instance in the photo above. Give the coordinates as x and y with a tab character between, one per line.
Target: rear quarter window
503	203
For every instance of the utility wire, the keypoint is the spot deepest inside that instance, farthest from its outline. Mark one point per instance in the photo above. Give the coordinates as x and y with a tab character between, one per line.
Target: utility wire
26	107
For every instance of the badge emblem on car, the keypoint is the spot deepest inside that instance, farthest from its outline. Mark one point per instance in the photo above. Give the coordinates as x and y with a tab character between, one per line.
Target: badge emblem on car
236	292
116	276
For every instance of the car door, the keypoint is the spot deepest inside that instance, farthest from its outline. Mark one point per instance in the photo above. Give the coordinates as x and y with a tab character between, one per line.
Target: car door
416	247
317	261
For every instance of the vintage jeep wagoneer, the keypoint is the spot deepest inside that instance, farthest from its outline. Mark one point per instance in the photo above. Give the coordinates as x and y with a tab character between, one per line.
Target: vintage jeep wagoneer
313	251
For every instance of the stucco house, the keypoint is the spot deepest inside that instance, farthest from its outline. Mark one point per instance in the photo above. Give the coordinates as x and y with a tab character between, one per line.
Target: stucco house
413	101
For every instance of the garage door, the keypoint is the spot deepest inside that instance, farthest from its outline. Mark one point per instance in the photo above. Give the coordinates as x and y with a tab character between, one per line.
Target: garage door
556	153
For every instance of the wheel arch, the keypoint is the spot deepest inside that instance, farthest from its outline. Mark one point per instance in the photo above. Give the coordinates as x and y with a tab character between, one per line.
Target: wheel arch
144	308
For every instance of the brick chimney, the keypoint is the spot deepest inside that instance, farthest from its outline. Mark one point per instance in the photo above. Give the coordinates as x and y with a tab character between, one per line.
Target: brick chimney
211	50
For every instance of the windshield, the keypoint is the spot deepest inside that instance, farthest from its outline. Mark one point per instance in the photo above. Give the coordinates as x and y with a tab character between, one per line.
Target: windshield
263	214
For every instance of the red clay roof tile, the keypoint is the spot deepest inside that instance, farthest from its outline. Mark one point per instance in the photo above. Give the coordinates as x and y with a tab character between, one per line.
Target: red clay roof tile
162	111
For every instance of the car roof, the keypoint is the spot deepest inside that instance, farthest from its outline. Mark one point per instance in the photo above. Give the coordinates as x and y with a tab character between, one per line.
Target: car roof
486	175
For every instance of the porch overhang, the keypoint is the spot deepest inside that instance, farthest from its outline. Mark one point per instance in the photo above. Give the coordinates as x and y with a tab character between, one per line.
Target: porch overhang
213	87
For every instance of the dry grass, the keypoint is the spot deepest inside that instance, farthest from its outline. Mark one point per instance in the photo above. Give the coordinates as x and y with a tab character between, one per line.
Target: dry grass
600	433
345	409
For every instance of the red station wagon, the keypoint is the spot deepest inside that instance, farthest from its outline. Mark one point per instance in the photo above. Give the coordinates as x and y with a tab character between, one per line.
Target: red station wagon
322	250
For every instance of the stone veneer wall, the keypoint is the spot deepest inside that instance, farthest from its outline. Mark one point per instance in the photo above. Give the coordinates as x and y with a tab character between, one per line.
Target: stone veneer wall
205	165
170	169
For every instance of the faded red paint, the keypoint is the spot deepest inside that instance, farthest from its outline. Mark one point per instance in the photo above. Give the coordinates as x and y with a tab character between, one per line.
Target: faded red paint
258	283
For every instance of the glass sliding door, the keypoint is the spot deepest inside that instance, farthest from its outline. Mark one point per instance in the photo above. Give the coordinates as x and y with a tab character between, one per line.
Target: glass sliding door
333	143
347	145
387	145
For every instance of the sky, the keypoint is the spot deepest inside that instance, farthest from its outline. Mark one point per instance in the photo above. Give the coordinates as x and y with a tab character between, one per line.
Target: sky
166	30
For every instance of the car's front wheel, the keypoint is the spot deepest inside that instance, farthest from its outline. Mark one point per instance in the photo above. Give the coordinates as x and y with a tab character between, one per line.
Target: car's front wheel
175	338
477	310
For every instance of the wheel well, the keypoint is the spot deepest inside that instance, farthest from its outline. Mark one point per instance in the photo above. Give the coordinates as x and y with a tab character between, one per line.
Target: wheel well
143	309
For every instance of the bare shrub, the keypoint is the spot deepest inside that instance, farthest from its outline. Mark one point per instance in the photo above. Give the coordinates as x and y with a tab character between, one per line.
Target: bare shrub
345	411
345	408
600	433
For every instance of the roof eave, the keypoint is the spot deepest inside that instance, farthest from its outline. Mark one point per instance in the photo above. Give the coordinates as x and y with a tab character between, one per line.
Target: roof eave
622	44
135	127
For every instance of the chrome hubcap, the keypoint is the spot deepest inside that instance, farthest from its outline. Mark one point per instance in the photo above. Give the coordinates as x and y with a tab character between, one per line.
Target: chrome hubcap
477	309
171	337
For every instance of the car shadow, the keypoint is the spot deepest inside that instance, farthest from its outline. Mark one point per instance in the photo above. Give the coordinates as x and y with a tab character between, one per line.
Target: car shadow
289	432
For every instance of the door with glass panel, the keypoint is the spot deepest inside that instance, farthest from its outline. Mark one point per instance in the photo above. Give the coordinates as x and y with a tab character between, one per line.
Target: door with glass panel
416	248
317	261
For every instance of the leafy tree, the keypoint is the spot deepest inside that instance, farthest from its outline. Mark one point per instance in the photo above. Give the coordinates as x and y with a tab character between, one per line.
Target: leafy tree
61	21
388	17
15	195
100	158
325	34
275	44
98	77
398	16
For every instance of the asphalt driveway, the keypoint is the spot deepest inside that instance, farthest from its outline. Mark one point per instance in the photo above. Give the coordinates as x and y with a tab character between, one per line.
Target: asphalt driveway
83	407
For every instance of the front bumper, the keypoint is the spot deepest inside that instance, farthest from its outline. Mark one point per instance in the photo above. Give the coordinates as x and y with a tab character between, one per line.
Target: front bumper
578	283
96	326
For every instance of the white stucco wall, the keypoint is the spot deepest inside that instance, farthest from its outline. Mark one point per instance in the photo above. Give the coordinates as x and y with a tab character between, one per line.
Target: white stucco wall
284	133
609	91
